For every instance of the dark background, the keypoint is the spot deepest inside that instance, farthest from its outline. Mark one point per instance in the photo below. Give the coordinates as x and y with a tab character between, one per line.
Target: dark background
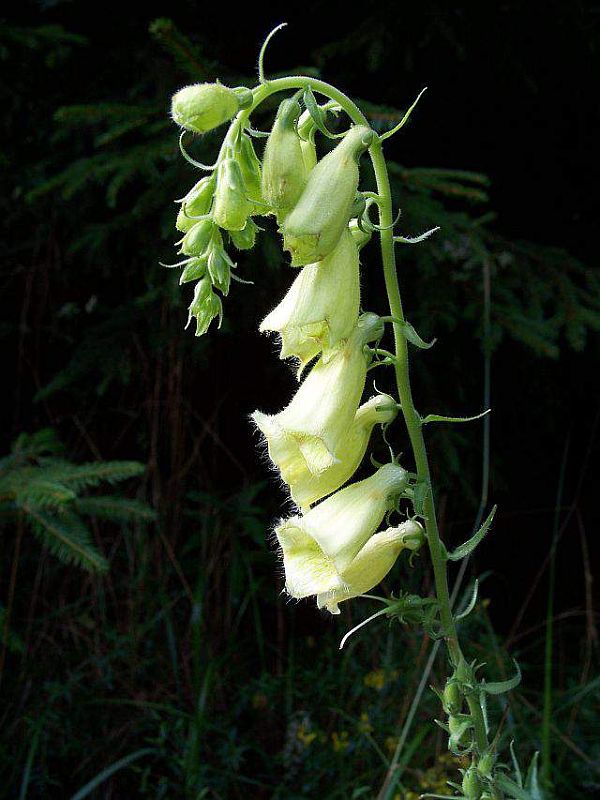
87	312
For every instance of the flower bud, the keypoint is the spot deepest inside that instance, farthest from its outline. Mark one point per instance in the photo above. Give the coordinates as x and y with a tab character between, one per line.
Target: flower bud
315	423
284	172
485	765
196	203
452	698
196	240
205	106
205	306
251	173
472	785
321	307
360	236
193	270
219	269
231	207
331	551
245	239
306	131
315	224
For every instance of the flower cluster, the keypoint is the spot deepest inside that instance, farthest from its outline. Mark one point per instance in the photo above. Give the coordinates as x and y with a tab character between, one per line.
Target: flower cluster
332	548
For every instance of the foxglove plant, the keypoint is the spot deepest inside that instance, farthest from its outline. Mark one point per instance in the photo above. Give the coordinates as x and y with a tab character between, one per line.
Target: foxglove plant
332	548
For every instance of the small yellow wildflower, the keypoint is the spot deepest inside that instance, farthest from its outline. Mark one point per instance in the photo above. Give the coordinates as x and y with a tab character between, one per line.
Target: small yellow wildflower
305	735
364	725
340	741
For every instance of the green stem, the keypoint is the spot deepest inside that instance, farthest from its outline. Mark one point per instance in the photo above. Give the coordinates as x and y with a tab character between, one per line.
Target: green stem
411	416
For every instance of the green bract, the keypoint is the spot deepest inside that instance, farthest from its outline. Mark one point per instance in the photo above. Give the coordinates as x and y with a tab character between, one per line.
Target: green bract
204	106
313	228
284	172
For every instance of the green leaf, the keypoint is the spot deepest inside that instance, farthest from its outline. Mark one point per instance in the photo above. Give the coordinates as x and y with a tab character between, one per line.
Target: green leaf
470	545
106	773
471	604
81	476
440	418
67	538
514	791
118	509
412	336
500	687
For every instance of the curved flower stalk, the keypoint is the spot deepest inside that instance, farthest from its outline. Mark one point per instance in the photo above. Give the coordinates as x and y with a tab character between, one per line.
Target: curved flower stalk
321	307
333	550
316	421
323	550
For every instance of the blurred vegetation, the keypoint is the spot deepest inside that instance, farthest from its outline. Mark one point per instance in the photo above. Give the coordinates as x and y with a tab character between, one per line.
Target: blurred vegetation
181	671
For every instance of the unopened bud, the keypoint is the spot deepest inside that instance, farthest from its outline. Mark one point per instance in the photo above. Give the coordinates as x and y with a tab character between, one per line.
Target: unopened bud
251	173
205	306
196	203
245	239
205	106
452	698
193	271
315	224
284	172
232	207
197	238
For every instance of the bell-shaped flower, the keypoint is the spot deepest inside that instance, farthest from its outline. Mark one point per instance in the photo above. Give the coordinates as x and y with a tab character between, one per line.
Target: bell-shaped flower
317	419
204	106
371	564
321	307
306	488
313	227
284	172
321	546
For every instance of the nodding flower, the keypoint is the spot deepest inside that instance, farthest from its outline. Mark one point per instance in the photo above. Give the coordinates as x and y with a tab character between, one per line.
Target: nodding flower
204	106
318	417
332	551
321	307
313	227
306	488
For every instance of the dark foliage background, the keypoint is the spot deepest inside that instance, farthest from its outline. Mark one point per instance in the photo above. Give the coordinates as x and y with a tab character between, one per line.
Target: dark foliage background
183	658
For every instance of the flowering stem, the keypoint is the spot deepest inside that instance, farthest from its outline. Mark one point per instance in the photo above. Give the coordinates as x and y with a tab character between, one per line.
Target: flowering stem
401	366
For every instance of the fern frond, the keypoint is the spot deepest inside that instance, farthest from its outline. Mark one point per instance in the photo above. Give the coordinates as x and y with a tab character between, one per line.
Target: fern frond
116	509
67	538
93	473
41	493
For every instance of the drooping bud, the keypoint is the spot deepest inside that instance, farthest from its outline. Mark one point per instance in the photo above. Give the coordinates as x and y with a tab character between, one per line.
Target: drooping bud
316	421
306	131
314	226
205	306
196	203
204	106
360	236
193	270
231	207
245	239
331	552
196	240
251	173
284	172
321	307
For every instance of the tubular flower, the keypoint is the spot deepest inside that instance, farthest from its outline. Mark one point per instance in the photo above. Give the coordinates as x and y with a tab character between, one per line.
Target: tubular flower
314	226
204	106
307	488
284	172
320	547
317	420
322	305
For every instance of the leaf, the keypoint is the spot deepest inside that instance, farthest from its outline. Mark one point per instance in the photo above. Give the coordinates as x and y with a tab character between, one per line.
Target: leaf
118	509
67	538
81	476
471	604
500	687
440	418
532	783
316	112
106	773
514	791
470	545
412	336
